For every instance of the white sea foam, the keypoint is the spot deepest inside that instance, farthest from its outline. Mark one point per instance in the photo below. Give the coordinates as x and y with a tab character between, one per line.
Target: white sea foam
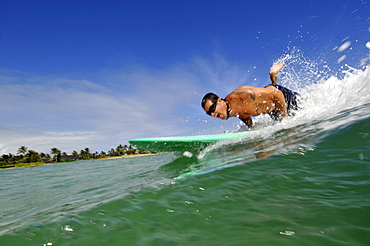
323	92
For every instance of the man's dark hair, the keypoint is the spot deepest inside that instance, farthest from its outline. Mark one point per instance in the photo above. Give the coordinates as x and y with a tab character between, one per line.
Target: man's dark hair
209	96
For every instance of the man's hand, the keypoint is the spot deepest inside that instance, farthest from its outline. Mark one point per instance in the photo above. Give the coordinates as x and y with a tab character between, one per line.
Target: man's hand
248	121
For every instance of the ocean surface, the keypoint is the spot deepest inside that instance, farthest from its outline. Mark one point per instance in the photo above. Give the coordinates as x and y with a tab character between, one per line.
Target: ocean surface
304	181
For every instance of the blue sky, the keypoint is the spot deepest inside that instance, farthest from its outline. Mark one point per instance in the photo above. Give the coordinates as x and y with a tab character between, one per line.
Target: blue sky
77	74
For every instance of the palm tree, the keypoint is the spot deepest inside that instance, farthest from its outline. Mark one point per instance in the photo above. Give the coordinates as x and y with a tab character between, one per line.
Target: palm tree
112	152
45	157
22	150
57	154
87	153
32	156
130	150
103	154
8	158
120	150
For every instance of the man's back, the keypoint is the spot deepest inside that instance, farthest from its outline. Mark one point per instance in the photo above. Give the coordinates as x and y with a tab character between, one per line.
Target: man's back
247	101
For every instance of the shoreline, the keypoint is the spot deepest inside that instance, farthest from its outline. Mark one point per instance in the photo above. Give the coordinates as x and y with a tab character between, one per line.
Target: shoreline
105	158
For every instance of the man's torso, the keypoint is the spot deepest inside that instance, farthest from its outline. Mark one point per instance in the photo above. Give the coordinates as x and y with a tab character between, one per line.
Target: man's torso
247	101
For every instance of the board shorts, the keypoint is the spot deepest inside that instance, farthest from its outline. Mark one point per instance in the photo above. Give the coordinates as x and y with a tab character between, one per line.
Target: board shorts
291	100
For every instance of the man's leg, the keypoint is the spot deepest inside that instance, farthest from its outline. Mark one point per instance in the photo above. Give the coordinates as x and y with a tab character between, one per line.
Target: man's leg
274	71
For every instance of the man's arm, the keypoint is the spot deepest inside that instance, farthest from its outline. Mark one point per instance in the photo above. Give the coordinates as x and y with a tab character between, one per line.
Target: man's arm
248	121
280	104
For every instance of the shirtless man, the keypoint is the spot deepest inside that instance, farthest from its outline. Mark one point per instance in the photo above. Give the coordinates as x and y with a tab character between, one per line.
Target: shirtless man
247	101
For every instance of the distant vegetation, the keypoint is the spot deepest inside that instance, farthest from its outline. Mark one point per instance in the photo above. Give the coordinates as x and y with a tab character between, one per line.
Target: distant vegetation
25	157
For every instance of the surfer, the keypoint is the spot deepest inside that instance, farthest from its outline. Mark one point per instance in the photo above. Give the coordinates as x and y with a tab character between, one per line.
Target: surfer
247	101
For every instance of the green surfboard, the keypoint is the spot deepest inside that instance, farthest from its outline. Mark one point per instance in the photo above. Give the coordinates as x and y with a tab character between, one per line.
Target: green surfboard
185	143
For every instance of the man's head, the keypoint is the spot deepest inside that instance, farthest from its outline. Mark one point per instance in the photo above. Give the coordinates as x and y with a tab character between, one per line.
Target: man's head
215	106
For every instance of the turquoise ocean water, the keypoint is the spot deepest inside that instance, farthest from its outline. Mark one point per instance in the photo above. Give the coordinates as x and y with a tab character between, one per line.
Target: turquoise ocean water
304	181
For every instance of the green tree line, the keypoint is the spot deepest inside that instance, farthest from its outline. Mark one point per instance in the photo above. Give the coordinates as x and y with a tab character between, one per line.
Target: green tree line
25	155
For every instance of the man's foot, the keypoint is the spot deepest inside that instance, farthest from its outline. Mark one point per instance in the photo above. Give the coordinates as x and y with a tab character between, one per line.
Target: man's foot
274	71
